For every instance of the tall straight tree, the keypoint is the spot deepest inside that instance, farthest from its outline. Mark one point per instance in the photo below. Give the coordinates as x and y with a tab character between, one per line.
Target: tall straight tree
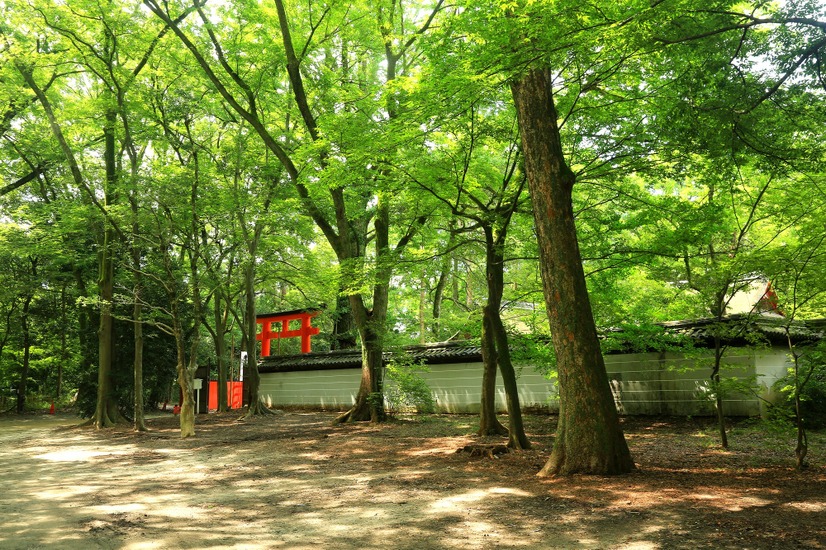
343	215
588	438
541	50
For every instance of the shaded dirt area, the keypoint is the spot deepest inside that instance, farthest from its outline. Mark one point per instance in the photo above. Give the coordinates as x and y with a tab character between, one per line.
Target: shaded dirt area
295	481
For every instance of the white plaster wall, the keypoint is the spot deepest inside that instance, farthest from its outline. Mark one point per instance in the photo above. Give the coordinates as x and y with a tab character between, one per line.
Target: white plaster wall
642	383
458	388
327	389
771	364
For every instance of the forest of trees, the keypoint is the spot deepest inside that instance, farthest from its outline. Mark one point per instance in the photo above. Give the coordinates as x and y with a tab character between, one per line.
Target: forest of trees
416	169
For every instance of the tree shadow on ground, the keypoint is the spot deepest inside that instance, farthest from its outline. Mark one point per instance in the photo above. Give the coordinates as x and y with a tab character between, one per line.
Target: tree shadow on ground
295	481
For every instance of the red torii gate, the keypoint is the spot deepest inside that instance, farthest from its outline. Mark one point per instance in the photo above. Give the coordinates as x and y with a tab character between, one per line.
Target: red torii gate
277	325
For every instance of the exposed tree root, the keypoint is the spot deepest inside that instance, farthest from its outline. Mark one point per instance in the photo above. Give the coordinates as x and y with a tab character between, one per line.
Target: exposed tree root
516	444
489	451
361	412
353	415
259	408
496	428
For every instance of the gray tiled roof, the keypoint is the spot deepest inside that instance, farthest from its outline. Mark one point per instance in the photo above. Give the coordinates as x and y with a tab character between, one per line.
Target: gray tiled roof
735	330
442	352
739	328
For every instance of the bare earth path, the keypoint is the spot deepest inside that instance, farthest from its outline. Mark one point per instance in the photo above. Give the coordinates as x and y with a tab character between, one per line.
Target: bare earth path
294	481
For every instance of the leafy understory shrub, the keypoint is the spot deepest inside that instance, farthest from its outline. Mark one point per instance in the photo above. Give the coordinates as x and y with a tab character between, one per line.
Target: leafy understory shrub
407	390
811	383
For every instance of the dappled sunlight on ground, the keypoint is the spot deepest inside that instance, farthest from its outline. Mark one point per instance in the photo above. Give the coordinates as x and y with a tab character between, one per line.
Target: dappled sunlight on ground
296	482
480	496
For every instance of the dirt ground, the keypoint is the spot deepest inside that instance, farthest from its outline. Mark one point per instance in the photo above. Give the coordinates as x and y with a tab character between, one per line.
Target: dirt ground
295	481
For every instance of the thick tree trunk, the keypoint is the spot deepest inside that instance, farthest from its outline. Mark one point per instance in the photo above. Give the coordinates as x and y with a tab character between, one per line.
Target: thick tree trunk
369	405
106	410
185	383
371	325
185	369
344	331
588	439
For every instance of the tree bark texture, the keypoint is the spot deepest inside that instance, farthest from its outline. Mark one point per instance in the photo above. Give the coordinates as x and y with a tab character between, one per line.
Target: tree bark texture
22	387
106	411
369	405
219	315
252	378
137	315
488	422
495	347
589	439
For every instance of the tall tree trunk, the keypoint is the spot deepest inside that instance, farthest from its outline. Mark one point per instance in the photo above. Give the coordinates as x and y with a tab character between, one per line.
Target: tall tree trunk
488	422
64	345
371	324
137	319
22	386
106	410
252	378
718	395
517	437
589	438
219	315
137	311
496	338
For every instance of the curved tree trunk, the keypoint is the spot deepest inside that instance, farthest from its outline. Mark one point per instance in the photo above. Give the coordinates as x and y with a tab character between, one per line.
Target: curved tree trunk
589	439
495	347
371	324
185	383
488	422
516	437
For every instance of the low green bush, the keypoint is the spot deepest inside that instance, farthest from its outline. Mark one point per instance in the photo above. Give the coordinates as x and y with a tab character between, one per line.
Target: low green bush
408	391
812	364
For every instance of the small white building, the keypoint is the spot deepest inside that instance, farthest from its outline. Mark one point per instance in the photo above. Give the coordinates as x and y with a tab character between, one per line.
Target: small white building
674	381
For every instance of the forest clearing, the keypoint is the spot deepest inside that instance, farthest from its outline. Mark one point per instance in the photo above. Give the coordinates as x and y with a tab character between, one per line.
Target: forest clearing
296	481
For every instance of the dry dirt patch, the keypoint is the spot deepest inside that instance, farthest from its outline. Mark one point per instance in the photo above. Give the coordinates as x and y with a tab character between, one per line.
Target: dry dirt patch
295	481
